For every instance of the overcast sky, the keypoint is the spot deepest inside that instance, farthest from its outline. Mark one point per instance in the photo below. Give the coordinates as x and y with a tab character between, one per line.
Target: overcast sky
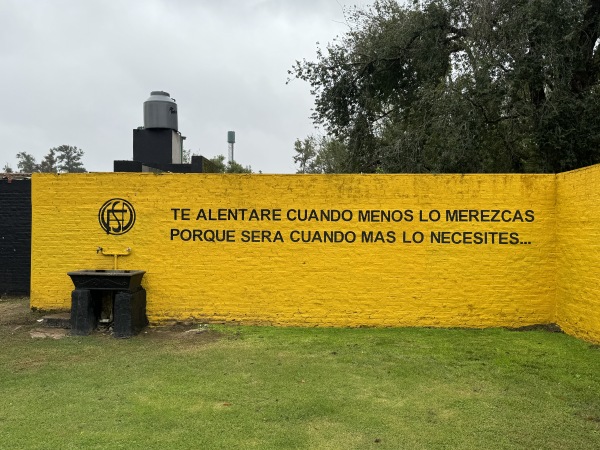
78	72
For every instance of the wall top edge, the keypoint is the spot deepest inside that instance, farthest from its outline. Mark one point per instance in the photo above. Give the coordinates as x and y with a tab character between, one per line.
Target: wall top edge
295	175
169	174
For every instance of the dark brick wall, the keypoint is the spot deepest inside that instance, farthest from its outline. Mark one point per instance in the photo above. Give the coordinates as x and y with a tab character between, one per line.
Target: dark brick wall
15	236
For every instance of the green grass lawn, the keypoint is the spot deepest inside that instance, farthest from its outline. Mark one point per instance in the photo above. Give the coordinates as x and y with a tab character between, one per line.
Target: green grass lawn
261	387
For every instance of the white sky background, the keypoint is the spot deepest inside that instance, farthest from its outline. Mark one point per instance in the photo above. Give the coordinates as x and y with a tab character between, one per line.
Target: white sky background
77	72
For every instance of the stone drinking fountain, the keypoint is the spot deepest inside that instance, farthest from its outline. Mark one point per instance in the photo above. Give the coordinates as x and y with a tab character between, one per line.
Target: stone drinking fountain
121	290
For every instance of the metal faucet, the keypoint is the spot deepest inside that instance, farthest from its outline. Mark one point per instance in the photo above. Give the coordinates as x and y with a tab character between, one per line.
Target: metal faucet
114	254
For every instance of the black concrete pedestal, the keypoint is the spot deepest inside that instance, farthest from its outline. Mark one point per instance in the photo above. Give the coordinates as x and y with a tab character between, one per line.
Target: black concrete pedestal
83	318
129	311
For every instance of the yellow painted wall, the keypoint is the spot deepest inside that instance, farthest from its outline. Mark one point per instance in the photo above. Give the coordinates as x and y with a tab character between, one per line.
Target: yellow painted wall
578	244
311	284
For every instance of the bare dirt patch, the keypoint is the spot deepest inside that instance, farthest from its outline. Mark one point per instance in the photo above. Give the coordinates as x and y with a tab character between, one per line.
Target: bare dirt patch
184	334
48	333
16	318
14	311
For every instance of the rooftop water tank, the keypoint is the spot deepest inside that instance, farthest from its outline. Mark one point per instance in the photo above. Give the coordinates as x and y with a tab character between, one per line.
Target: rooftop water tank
160	111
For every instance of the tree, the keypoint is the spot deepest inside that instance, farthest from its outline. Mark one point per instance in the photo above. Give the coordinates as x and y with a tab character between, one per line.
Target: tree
306	152
219	162
463	86
26	163
7	169
234	167
331	156
49	164
68	159
64	158
186	156
229	167
320	155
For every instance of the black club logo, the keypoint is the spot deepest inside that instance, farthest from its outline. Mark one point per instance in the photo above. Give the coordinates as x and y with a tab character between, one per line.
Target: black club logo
116	216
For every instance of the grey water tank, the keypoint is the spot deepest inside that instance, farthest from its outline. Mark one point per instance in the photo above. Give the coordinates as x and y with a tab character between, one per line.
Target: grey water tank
160	111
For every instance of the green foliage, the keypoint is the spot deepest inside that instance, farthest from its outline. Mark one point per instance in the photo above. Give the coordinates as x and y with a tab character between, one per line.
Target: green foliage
7	168
320	155
463	86
64	158
306	153
49	163
219	162
68	159
230	166
331	156
234	167
26	163
186	156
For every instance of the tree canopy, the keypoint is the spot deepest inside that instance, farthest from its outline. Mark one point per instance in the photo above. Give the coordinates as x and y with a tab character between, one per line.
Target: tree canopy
64	158
68	159
26	163
320	155
463	86
230	166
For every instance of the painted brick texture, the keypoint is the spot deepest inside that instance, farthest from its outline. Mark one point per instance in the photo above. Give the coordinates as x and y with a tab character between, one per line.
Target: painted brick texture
15	236
578	244
310	284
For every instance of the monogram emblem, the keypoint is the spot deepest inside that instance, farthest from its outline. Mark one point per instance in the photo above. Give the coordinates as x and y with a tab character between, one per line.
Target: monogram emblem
116	216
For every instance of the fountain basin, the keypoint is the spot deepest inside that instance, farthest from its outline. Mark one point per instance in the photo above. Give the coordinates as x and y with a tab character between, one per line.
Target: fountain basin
107	279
